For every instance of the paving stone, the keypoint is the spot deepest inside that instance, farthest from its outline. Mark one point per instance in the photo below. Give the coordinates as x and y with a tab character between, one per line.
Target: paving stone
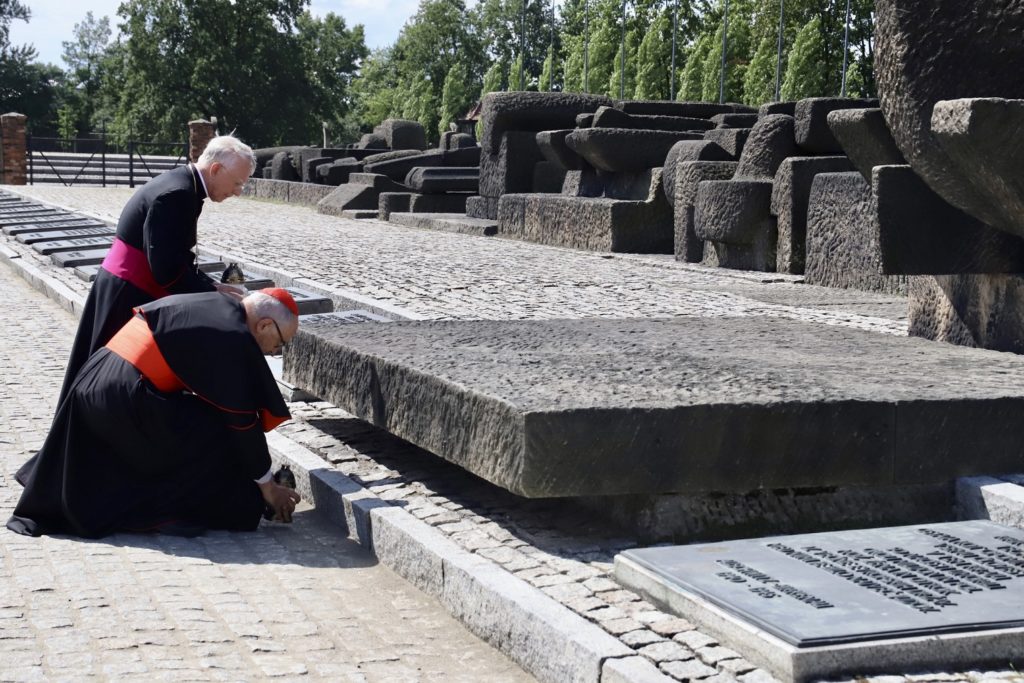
641	637
694	639
666	651
687	670
672	626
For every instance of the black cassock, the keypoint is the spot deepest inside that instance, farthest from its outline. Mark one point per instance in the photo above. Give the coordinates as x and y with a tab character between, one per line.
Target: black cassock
123	455
159	224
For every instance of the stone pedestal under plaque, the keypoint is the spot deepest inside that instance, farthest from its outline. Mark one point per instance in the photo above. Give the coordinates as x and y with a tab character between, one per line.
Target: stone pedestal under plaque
934	597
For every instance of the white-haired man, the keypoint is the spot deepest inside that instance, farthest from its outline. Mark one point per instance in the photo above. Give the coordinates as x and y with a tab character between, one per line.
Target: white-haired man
163	427
152	255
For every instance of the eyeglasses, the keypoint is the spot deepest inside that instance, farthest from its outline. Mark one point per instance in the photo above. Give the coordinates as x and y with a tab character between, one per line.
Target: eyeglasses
280	336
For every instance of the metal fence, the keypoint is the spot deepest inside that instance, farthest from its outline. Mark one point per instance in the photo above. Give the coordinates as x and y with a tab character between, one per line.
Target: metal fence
98	161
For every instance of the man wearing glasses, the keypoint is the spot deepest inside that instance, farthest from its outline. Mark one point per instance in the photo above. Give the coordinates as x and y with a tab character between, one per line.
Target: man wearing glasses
163	428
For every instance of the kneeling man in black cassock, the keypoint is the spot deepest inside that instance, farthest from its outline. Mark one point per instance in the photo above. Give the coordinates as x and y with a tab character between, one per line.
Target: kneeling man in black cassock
163	428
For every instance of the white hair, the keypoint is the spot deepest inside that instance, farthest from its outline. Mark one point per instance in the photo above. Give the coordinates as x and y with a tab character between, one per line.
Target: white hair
224	147
265	306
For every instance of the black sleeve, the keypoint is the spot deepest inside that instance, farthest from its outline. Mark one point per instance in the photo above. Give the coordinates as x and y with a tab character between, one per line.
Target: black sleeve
168	235
251	452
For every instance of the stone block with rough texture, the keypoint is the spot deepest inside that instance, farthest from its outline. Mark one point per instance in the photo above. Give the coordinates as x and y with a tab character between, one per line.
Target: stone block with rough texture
347	197
920	234
413	202
552	146
686	151
397	169
511	169
605	406
731	140
282	168
482	207
402	134
769	142
625	149
812	131
842	236
865	139
689	247
696	110
531	111
790	193
339	171
734	120
951	54
432	180
788	108
732	211
609	117
593	223
971	310
462	156
311	168
974	133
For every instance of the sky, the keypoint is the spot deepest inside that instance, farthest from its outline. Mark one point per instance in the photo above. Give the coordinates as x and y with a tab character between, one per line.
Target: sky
53	20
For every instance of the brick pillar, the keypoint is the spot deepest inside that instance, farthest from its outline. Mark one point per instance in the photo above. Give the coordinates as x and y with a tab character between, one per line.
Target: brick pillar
13	151
200	132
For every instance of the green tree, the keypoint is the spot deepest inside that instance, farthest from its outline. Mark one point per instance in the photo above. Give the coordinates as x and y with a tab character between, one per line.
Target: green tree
804	75
692	83
547	74
759	82
495	77
223	58
513	75
332	54
654	59
458	95
84	56
736	61
25	86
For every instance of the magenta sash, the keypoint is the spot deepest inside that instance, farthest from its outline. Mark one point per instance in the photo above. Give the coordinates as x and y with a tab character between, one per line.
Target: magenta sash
130	264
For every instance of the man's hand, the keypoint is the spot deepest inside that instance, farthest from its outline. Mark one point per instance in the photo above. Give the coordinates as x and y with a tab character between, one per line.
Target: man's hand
281	499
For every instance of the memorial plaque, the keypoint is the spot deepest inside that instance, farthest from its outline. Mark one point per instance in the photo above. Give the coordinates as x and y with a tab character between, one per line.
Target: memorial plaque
87	273
209	265
29	219
70	259
27	209
63	224
46	248
58	235
251	281
309	302
849	586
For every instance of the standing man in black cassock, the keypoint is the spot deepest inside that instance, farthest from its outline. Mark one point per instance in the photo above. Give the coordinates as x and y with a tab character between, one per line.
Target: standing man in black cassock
163	428
152	253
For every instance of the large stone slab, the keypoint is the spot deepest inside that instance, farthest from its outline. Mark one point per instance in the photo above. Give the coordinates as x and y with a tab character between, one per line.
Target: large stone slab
604	407
625	149
973	310
865	138
812	130
609	117
932	50
929	597
83	257
62	223
502	112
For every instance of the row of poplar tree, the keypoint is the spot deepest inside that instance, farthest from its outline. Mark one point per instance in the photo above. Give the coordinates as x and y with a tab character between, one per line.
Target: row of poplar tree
274	73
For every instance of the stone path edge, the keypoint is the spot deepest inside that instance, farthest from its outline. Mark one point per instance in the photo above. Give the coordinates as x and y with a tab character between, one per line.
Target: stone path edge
547	639
544	637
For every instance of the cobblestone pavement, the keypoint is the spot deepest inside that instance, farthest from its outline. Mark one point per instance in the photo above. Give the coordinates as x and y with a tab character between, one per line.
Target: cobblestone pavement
284	602
559	548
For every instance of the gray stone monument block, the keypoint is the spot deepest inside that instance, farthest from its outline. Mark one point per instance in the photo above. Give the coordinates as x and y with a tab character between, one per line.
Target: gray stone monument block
58	223
552	146
768	108
686	151
731	140
372	141
548	177
732	211
402	134
282	168
977	58
832	605
920	234
397	169
605	407
790	194
311	166
609	117
769	142
696	110
339	172
463	156
842	236
972	310
348	196
974	133
444	179
865	138
377	182
734	120
309	303
482	208
625	149
812	132
412	202
391	155
511	169
503	112
689	247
